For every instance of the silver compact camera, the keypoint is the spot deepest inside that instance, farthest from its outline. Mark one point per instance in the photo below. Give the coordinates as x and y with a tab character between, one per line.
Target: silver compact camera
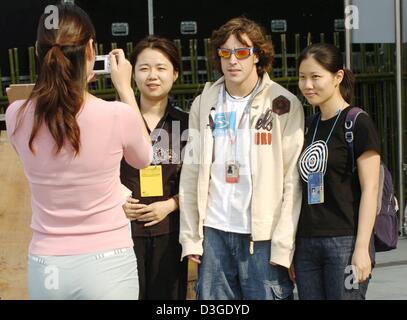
102	65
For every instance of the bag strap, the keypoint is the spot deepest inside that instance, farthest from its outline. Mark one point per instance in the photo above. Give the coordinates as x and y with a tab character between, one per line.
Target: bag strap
350	122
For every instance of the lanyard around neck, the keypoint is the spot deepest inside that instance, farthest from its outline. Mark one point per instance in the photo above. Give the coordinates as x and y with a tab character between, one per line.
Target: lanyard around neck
332	129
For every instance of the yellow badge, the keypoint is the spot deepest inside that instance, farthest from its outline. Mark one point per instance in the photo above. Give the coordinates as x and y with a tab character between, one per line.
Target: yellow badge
151	182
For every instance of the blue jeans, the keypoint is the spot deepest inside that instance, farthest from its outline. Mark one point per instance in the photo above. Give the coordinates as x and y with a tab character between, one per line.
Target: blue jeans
323	269
229	272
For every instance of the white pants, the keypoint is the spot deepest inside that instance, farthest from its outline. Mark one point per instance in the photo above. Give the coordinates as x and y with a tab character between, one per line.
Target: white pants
110	275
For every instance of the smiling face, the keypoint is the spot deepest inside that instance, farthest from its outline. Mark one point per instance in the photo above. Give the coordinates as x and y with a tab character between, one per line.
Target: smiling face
154	74
317	84
238	72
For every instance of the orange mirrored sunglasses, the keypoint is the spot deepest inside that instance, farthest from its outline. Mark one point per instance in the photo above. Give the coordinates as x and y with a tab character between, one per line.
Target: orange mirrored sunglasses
240	53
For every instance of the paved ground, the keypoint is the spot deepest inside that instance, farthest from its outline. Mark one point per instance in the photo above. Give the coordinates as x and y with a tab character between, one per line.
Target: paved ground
389	281
15	216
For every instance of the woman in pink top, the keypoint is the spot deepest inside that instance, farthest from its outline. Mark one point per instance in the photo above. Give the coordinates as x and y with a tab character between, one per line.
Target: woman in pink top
71	144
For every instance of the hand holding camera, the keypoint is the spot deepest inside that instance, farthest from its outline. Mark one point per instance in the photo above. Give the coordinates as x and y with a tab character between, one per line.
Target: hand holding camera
102	65
121	70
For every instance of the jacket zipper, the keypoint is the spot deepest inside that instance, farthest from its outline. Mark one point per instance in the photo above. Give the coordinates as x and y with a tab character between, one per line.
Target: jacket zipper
251	244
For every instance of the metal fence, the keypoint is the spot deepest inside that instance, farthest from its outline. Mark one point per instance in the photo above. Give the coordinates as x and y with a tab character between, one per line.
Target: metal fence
374	67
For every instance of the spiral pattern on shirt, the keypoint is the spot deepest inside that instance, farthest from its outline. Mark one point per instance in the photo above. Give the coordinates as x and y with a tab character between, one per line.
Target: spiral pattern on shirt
313	159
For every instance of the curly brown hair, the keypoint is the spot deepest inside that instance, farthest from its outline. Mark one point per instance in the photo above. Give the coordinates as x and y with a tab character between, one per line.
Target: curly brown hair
242	26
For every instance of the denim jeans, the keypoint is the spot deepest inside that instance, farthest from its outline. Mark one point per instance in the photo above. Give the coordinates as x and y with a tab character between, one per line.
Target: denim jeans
229	272
323	269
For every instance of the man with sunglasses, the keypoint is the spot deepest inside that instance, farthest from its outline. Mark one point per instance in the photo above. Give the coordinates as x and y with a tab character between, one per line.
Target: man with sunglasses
240	193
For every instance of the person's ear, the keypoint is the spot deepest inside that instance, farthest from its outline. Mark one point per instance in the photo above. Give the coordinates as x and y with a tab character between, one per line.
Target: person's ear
90	50
175	76
339	77
256	59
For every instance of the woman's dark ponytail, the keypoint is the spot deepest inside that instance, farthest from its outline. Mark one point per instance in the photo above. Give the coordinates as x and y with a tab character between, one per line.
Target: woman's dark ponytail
61	85
59	94
347	86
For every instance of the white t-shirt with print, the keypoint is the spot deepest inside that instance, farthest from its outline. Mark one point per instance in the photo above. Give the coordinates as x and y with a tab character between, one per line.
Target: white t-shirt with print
229	203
